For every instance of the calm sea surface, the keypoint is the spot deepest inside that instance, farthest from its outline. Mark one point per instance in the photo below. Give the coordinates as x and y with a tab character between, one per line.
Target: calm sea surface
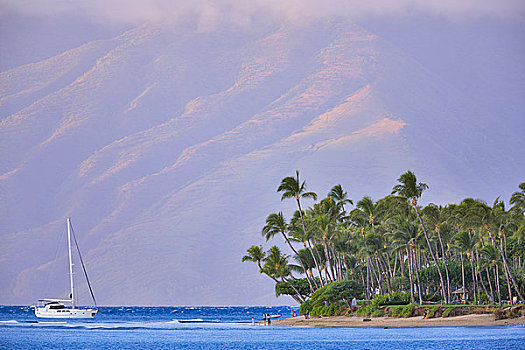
229	328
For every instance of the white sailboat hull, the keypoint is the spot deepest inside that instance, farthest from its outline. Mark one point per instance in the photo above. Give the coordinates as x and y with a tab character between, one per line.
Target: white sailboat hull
44	312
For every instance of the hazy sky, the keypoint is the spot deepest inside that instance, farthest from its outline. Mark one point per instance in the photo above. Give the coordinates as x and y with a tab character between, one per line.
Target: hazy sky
241	12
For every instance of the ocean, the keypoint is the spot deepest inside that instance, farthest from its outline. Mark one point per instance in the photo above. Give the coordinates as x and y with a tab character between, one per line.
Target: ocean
229	328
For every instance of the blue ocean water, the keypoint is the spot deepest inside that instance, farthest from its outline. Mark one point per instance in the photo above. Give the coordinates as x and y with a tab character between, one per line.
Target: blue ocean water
229	328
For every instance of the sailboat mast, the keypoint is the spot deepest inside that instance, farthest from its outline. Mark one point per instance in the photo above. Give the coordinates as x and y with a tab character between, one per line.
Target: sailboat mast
70	261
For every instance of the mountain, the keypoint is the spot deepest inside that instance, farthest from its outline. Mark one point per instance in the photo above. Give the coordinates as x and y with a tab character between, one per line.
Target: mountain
166	147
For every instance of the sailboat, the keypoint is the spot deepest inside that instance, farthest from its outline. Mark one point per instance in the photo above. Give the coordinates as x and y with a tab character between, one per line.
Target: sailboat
67	308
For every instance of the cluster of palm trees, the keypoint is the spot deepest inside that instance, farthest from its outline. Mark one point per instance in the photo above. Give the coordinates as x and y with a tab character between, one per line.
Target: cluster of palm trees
394	245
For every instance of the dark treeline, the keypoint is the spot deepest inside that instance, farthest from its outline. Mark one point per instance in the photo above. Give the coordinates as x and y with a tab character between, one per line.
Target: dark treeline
471	251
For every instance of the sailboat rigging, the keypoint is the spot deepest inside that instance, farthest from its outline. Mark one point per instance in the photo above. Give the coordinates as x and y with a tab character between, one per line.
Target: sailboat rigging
57	308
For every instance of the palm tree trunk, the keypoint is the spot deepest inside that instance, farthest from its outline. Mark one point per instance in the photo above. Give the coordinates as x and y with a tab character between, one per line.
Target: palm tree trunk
485	289
462	274
505	241
328	262
300	260
316	263
395	266
333	261
418	269
443	293
311	269
506	268
379	276
346	267
473	279
365	283
479	278
304	230
387	273
401	265
368	277
490	284
508	283
444	263
291	285
410	275
496	272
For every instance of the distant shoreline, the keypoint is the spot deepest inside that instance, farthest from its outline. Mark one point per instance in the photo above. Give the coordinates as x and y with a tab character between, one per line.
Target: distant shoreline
475	320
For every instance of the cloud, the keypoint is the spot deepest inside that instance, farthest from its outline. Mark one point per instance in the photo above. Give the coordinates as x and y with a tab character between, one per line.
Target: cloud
206	14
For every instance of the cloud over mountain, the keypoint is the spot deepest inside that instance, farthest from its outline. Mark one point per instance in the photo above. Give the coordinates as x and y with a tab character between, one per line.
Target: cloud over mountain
207	15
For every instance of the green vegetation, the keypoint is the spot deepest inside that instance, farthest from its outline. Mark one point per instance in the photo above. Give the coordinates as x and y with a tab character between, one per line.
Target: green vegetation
392	252
447	312
377	306
404	311
333	298
508	312
432	311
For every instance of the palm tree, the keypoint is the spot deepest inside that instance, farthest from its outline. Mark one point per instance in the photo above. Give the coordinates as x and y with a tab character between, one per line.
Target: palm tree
405	235
397	240
409	188
340	196
434	215
293	188
367	208
518	199
276	264
494	220
255	254
305	237
364	218
326	233
275	223
466	242
343	245
490	258
376	245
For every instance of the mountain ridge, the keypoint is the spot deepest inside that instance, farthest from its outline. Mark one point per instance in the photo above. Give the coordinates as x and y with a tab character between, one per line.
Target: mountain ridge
169	165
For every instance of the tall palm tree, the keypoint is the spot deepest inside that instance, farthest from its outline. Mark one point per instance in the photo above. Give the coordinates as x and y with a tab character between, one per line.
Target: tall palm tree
305	237
325	232
292	187
363	216
490	259
434	215
409	188
376	246
493	219
275	224
466	242
406	236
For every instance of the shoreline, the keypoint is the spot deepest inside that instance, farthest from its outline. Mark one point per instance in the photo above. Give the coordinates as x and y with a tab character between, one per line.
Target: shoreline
475	320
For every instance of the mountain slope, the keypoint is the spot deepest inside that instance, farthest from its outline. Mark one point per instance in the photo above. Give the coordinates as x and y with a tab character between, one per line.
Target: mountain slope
166	149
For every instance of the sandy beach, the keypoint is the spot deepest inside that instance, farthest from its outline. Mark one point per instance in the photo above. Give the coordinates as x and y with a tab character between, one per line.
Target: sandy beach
418	321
